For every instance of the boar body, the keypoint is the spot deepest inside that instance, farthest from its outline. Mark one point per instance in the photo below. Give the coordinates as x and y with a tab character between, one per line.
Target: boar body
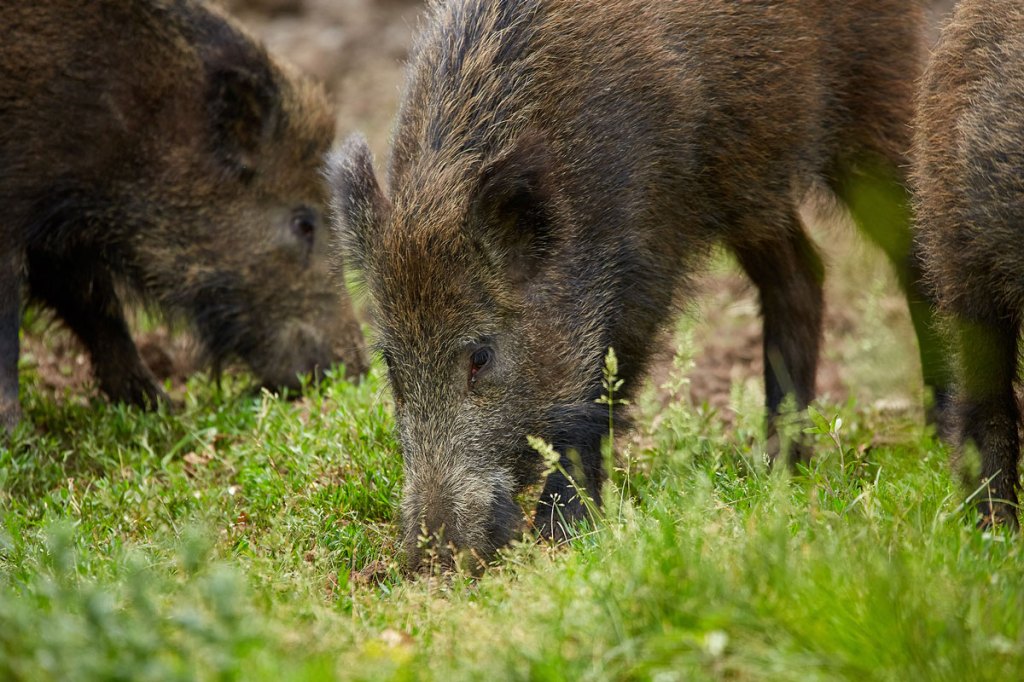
968	161
559	171
151	147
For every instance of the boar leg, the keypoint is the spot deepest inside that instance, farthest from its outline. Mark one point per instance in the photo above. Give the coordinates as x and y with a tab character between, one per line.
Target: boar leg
85	298
880	205
788	274
578	435
560	506
988	409
935	367
10	322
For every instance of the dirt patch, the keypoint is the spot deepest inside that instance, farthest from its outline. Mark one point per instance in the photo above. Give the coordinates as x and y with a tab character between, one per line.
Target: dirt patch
728	347
374	573
170	357
64	370
60	363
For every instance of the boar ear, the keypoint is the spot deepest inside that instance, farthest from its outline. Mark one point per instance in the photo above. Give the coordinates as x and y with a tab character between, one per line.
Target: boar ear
356	198
512	210
244	110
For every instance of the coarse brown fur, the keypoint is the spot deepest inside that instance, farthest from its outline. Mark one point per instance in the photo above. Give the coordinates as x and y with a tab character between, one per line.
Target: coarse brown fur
969	182
559	170
152	146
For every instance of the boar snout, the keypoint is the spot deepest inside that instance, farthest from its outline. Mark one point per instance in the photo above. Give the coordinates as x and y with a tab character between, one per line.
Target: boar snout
457	522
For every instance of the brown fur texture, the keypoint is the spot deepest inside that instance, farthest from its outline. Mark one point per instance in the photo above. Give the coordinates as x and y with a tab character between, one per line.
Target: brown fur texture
968	170
559	170
151	146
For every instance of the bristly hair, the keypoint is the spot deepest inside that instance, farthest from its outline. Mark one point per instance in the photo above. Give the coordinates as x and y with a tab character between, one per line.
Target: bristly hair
486	49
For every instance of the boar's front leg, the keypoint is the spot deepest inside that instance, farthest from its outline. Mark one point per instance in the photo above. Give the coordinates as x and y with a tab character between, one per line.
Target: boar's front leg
578	432
10	322
84	297
788	274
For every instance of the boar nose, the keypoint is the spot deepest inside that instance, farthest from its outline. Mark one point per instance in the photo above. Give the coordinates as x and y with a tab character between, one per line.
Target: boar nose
298	351
441	533
430	557
433	543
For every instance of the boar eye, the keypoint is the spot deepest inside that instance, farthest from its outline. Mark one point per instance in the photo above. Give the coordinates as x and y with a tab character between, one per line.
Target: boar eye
481	358
304	225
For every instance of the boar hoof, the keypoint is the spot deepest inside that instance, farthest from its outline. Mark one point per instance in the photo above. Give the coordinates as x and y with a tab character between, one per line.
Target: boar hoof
557	521
998	515
138	389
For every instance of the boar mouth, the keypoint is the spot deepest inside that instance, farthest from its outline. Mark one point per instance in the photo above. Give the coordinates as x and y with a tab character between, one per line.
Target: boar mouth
306	353
292	357
277	349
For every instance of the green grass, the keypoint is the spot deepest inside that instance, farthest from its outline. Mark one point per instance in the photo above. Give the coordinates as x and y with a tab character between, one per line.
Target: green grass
252	538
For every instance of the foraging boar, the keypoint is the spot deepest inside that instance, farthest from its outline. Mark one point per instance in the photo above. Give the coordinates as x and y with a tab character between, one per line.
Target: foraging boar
968	163
559	170
150	146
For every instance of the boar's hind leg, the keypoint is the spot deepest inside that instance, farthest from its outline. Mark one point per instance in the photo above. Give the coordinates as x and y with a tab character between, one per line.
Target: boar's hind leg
788	274
988	409
10	322
880	205
86	300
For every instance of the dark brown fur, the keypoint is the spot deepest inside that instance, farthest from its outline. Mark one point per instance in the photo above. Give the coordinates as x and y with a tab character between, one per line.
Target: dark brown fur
969	166
151	146
560	168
